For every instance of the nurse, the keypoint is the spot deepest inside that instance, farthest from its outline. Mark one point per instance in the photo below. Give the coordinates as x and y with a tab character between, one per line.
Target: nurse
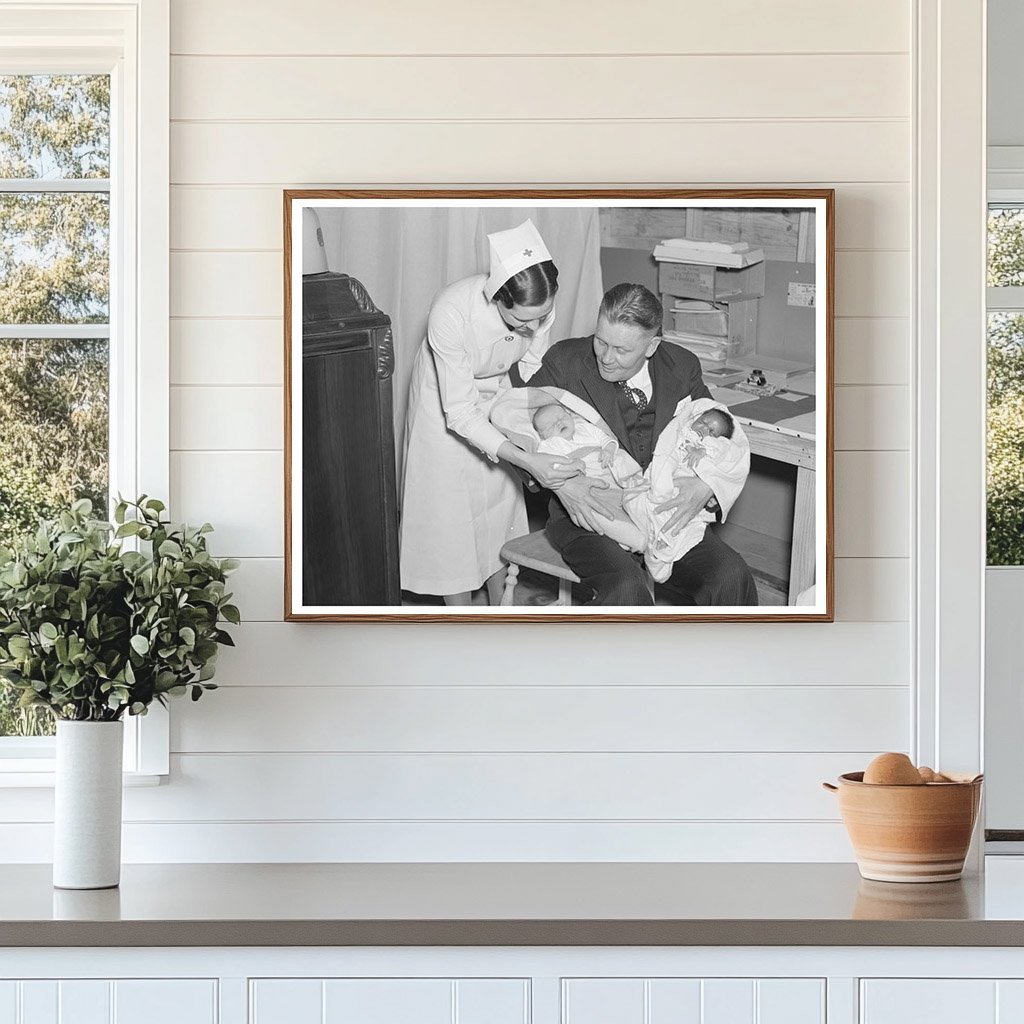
461	497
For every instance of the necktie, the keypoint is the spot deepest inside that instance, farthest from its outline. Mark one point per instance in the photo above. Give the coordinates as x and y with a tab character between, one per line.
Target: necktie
635	395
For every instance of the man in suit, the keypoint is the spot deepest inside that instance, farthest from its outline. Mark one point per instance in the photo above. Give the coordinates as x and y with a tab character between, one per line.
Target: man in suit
635	383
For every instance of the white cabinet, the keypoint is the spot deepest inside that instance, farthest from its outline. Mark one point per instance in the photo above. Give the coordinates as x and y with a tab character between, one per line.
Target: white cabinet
102	1001
693	1001
941	1001
389	1001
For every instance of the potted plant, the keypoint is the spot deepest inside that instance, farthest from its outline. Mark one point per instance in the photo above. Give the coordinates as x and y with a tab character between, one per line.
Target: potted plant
92	631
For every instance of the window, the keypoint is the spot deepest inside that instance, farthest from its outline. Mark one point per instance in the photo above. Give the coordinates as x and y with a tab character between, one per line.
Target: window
1005	478
84	125
54	309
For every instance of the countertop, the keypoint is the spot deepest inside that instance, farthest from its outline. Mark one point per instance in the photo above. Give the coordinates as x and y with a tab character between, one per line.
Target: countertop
516	904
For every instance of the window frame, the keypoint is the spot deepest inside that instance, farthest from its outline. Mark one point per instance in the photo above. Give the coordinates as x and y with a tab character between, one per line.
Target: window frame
130	41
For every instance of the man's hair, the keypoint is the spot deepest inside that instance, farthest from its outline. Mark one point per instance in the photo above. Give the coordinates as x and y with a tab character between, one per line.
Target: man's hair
632	304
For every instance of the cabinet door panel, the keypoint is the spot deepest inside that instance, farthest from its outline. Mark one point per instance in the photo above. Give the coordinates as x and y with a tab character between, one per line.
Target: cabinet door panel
675	1001
936	1001
388	1001
8	1002
603	1001
286	1001
791	1001
150	1001
728	1001
489	1001
1009	1002
84	1002
38	1002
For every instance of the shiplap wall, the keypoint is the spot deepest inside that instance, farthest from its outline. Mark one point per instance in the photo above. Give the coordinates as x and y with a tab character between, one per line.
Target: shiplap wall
674	741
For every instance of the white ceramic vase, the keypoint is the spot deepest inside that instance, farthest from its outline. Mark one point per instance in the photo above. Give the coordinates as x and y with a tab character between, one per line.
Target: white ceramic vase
87	805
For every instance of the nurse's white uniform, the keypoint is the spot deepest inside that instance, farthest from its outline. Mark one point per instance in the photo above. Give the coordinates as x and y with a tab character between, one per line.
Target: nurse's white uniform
459	503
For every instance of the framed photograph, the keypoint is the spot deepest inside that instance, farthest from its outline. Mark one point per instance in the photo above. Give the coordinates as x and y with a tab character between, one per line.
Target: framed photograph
559	406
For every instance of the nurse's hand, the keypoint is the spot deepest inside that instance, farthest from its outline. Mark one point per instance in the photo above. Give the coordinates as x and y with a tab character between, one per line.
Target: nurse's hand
586	505
552	471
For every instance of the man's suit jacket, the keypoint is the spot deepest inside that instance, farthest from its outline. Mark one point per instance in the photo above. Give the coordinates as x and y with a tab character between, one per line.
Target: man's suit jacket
675	374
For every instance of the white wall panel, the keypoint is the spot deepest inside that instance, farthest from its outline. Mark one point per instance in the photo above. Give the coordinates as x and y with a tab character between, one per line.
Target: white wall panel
227	842
404	88
733	93
227	352
794	654
546	717
872	418
872	499
258	586
8	1002
729	152
211	418
149	1001
872	283
867	589
872	589
868	215
241	493
199	284
730	26
872	350
467	787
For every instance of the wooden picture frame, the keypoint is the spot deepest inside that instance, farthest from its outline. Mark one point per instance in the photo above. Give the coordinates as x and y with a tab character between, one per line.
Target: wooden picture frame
747	282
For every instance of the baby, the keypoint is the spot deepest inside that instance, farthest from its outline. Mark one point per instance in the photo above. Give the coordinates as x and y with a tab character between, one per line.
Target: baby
713	423
563	432
701	441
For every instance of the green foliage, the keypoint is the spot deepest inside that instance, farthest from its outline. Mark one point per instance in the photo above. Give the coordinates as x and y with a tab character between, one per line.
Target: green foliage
1005	247
53	445
54	264
1005	478
91	630
54	126
1006	481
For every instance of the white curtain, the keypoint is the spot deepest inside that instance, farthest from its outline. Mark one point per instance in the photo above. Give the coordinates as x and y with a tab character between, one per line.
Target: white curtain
405	255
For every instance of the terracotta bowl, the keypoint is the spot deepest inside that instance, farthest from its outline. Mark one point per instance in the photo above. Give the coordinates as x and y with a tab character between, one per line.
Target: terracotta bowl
909	833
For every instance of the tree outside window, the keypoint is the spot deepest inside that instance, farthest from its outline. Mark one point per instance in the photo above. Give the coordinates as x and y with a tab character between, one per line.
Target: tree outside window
54	307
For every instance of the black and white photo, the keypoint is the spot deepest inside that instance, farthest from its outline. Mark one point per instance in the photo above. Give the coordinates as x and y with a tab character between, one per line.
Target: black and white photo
511	406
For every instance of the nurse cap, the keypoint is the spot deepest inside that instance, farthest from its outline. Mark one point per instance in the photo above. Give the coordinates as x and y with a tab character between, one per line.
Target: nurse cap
512	251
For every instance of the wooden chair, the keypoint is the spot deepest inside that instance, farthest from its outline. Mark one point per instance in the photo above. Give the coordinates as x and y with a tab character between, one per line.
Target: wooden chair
535	551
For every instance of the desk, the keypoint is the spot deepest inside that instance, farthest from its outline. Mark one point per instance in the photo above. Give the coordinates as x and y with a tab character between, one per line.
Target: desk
791	441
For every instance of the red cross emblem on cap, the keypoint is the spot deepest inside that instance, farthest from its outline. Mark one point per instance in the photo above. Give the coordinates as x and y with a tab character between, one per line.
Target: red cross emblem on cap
527	252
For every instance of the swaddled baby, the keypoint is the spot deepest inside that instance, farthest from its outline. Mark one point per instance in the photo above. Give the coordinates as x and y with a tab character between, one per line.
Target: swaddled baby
563	432
701	441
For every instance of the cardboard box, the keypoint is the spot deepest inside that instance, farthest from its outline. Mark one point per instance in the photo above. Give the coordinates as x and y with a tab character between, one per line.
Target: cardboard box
713	321
713	284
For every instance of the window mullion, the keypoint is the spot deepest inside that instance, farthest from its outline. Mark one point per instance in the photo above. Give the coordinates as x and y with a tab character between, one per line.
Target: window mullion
62	332
54	185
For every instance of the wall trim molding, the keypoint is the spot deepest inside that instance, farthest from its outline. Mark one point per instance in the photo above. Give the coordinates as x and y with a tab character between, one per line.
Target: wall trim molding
949	324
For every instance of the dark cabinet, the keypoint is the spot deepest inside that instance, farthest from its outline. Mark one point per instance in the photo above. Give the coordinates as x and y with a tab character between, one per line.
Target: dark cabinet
349	495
